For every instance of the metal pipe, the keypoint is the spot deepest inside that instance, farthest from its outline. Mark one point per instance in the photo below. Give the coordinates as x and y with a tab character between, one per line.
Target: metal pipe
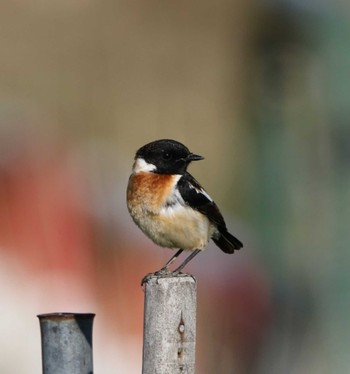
66	343
169	325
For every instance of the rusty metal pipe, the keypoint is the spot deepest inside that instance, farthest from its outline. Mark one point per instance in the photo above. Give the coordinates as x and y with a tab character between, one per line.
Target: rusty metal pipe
66	343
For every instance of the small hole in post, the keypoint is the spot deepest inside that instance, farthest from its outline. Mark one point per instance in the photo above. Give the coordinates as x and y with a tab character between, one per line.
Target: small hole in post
181	328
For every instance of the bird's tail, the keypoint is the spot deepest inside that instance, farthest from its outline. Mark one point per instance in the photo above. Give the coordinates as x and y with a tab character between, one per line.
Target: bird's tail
227	242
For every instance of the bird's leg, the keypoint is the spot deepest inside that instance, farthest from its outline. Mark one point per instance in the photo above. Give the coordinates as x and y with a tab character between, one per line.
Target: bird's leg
164	270
165	267
187	260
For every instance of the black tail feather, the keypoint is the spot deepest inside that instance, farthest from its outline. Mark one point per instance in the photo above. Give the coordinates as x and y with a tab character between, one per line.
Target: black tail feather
227	242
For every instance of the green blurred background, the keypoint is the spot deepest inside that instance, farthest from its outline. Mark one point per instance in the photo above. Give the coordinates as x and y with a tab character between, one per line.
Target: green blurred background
262	90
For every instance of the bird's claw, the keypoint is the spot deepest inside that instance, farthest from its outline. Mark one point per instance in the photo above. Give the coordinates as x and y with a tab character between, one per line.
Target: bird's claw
164	273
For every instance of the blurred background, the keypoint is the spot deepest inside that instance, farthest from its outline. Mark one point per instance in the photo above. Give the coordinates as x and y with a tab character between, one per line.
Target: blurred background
262	90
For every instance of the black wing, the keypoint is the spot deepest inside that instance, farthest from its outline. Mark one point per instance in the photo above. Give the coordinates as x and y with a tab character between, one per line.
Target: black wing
197	198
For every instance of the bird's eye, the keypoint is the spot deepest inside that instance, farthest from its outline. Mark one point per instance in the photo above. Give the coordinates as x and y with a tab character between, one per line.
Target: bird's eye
166	156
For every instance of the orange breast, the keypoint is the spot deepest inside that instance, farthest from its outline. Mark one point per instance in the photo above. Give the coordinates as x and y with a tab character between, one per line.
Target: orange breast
149	191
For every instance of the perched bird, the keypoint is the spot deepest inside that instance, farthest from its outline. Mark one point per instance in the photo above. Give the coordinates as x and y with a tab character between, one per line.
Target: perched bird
170	206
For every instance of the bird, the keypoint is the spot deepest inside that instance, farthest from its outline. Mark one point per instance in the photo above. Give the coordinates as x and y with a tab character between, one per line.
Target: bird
168	204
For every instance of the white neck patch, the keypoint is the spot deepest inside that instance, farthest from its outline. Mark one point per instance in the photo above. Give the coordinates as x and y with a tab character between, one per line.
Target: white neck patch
140	165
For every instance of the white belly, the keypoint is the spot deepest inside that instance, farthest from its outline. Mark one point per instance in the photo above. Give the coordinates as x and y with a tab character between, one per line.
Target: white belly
179	227
174	224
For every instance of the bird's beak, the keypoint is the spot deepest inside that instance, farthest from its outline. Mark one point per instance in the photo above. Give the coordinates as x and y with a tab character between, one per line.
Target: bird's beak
193	157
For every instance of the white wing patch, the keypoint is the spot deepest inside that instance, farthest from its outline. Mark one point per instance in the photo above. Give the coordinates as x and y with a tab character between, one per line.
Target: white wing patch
201	191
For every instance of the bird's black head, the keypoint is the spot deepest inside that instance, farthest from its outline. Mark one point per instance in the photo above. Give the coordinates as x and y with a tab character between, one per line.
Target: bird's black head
164	157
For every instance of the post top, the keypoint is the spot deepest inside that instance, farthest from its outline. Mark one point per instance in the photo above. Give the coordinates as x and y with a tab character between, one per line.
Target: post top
169	278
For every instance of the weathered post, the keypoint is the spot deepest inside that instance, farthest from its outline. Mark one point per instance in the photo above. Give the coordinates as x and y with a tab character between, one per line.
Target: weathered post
169	325
66	342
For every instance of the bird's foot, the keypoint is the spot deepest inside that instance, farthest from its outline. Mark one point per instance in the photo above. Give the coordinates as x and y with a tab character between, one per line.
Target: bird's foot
178	273
164	273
